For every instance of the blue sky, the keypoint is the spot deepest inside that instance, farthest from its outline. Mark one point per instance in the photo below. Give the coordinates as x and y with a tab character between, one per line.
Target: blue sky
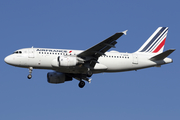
151	93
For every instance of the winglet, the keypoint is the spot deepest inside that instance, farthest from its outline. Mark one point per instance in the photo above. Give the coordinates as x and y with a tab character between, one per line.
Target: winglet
125	32
163	55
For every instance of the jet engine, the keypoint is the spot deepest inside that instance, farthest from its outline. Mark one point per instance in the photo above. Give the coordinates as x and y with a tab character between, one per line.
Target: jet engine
64	61
67	61
57	77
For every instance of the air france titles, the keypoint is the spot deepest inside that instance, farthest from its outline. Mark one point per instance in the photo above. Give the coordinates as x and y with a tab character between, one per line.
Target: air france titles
51	50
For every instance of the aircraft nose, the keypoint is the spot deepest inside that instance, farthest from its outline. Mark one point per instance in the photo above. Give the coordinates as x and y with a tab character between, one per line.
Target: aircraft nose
8	59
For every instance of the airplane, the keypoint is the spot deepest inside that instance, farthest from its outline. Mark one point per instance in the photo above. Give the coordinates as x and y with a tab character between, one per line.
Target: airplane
82	64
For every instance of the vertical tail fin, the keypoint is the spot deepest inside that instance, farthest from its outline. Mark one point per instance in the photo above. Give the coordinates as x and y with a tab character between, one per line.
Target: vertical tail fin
155	43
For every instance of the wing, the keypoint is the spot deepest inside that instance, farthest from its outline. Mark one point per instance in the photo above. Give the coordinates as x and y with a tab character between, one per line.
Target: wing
92	54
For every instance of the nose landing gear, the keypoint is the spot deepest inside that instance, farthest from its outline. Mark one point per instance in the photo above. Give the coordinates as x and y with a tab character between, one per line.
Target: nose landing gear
30	73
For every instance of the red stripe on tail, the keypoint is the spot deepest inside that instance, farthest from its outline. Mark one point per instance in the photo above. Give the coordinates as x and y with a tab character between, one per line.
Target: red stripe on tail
160	46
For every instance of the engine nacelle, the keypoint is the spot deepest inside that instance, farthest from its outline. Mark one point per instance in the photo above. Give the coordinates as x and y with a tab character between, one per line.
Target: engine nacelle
57	77
64	61
68	61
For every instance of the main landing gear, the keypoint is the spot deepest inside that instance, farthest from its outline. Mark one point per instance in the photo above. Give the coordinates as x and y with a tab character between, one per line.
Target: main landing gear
30	73
89	73
85	77
81	84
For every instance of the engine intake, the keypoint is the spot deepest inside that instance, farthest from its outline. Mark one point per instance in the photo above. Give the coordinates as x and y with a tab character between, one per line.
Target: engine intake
57	77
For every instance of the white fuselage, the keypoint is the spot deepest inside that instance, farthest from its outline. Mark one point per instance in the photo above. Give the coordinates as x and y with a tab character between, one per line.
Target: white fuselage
43	58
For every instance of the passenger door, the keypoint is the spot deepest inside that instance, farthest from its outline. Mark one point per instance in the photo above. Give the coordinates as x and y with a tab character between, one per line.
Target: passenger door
135	59
31	52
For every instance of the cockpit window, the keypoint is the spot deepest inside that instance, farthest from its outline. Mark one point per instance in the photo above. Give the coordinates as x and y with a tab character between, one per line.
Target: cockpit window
17	52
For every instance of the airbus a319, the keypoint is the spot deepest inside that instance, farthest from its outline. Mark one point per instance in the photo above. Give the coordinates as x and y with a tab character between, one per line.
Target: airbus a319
81	65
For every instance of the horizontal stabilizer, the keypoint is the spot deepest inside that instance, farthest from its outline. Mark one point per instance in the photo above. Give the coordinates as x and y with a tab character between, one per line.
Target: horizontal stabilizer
163	55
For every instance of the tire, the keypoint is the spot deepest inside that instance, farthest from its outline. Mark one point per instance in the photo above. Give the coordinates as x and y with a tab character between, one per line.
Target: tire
89	73
29	76
81	84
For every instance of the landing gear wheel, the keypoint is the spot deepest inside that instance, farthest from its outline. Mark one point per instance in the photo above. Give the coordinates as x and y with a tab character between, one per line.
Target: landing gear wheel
81	84
30	73
89	73
29	76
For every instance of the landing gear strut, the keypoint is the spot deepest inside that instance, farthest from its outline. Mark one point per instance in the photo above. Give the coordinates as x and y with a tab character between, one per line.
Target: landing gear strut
81	84
89	73
82	78
30	73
